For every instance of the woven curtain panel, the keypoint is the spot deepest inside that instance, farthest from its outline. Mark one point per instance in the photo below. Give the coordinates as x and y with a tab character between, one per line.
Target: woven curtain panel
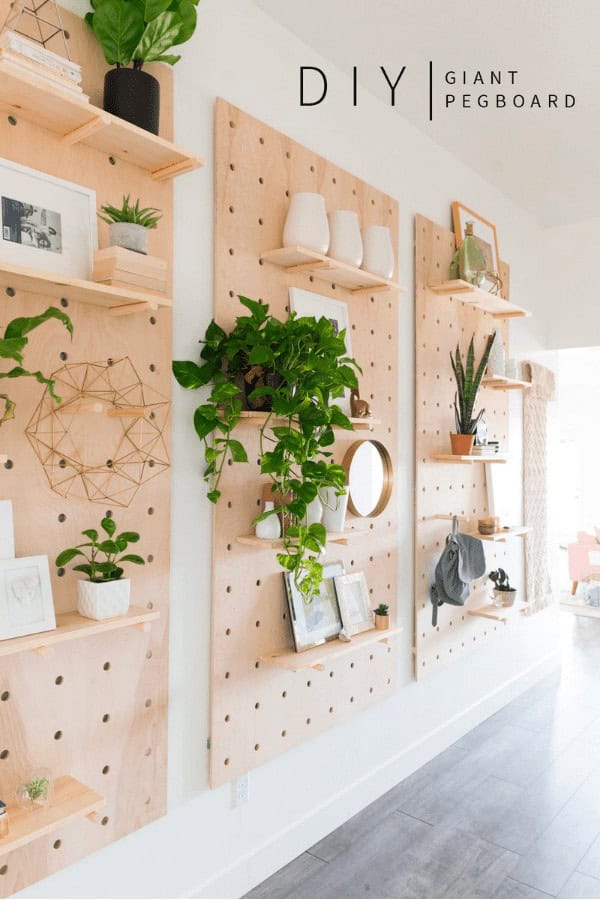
535	483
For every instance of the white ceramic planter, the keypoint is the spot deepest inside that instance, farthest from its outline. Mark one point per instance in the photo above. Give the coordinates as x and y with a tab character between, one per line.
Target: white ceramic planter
345	242
497	359
130	236
103	600
314	512
334	510
378	252
504	598
268	529
306	223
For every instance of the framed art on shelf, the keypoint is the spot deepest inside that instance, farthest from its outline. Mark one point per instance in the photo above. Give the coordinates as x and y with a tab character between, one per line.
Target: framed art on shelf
26	605
355	605
484	233
47	223
319	621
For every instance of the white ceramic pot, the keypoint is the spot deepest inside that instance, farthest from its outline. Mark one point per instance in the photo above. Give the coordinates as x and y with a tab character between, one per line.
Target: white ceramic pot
497	359
306	224
345	242
130	236
268	529
103	600
334	510
504	598
378	252
314	512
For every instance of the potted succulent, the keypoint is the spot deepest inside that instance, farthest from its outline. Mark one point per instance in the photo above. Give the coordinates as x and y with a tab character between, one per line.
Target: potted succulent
105	593
136	32
129	225
382	617
503	593
37	790
303	369
468	381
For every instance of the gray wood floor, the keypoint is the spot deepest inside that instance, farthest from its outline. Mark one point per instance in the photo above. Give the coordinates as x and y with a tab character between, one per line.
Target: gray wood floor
510	810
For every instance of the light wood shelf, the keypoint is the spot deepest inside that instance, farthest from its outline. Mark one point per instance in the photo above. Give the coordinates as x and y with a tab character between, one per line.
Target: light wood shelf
496	613
501	536
467	293
299	259
27	97
500	383
455	458
324	654
250	540
117	300
72	800
71	626
259	418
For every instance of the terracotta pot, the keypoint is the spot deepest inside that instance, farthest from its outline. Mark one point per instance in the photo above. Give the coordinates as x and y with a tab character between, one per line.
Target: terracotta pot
382	623
462	444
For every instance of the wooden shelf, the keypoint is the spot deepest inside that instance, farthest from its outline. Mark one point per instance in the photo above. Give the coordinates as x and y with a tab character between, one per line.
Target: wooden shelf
499	383
501	536
467	293
451	458
72	800
250	540
27	97
71	626
259	418
496	613
324	654
118	301
299	259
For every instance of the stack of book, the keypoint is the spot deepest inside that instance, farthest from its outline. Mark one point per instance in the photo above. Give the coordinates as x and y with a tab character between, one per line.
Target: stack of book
489	449
118	267
24	56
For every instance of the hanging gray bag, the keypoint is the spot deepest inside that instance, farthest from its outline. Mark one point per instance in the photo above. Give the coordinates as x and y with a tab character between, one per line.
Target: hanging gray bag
461	562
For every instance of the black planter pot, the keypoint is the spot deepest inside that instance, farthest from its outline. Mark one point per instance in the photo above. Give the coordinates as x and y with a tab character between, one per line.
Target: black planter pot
254	377
133	95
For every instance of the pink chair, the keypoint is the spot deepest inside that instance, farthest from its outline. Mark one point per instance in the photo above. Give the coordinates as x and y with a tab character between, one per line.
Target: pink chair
584	559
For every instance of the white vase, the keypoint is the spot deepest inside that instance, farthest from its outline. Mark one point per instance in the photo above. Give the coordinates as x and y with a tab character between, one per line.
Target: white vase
378	252
306	224
345	242
334	510
103	600
129	235
268	529
497	359
314	512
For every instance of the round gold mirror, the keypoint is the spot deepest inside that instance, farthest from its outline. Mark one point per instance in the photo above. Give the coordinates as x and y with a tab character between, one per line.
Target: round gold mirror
370	478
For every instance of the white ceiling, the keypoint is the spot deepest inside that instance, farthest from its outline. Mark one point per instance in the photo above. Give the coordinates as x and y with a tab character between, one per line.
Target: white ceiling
546	161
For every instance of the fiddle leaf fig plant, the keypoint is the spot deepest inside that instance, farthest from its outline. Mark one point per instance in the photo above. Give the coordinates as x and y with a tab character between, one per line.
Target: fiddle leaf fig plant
303	369
12	345
468	382
103	555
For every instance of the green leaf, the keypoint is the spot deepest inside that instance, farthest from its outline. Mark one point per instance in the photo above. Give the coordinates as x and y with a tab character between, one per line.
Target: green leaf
152	8
109	526
132	537
66	556
109	546
10	348
188	19
85	568
319	532
188	374
18	328
238	453
259	311
224	391
159	36
91	533
119	27
203	424
213	496
132	558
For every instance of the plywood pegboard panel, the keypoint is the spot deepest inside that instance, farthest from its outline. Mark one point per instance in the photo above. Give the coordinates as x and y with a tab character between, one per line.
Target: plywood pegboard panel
449	489
94	708
257	710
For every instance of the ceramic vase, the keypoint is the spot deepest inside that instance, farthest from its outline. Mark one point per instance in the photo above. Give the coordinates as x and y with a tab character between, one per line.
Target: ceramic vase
334	510
497	359
314	512
103	600
268	529
378	252
306	224
345	243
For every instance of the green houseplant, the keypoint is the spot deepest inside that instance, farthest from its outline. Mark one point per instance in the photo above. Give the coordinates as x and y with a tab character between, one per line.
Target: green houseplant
129	225
12	345
504	594
37	790
468	381
105	593
382	617
293	370
135	32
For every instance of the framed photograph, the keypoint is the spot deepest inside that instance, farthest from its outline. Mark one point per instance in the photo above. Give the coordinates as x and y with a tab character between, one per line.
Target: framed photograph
319	621
502	498
483	231
47	223
308	304
354	602
26	605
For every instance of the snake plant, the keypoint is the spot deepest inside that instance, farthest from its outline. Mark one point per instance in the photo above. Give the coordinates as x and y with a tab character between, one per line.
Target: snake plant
468	382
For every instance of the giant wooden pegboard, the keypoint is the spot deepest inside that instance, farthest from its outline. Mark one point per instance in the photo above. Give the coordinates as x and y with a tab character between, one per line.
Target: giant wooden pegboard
94	708
259	711
443	489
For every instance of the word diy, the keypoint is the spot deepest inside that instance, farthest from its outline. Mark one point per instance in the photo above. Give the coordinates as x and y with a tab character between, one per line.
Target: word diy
313	87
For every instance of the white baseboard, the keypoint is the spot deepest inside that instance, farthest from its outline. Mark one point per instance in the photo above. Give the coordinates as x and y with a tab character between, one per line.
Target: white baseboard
265	859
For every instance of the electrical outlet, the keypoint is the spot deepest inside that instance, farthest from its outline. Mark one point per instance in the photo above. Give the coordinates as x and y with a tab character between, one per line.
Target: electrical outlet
240	790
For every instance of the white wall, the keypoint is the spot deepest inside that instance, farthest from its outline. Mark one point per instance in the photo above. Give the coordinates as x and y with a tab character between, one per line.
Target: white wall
204	847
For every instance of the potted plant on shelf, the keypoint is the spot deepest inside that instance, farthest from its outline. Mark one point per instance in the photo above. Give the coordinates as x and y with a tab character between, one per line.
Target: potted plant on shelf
105	593
138	32
382	617
37	790
296	369
12	345
468	381
129	225
503	593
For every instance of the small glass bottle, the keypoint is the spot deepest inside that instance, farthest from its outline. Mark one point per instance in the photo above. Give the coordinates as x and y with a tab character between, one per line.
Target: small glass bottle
3	820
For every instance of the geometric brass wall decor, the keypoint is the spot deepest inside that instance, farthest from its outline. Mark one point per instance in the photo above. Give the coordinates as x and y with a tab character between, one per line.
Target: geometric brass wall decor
105	439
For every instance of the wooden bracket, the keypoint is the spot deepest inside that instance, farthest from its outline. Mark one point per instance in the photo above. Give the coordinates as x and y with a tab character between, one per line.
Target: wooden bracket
84	131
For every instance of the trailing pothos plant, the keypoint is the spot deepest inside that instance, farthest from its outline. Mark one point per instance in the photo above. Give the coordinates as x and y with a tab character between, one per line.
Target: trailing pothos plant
12	345
307	369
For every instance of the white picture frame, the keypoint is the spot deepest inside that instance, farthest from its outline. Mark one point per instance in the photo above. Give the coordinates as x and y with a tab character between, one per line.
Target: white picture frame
309	304
500	489
26	605
319	621
354	603
46	223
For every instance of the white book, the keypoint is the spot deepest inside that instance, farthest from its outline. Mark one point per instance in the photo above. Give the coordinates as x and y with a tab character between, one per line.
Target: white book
18	43
50	79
